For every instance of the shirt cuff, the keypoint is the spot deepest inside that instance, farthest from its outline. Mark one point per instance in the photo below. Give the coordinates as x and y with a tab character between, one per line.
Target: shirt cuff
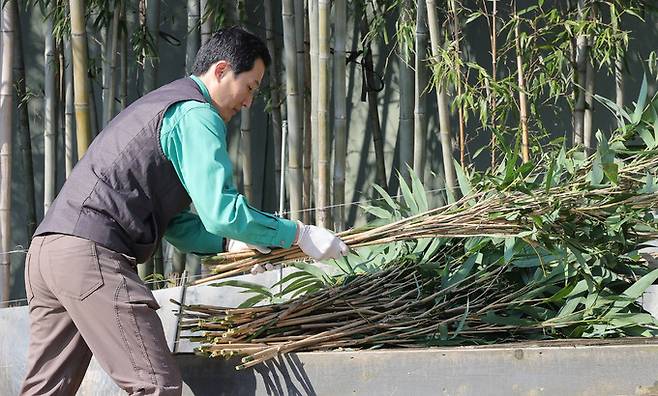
285	234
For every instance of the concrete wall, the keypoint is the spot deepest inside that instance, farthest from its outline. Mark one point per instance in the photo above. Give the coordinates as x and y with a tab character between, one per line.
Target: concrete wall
596	367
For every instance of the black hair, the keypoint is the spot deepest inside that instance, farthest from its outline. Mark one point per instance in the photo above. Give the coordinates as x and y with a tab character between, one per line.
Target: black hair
235	45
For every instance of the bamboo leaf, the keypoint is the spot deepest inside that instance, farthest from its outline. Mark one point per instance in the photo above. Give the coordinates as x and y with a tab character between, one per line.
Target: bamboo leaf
253	287
419	192
408	195
464	182
641	101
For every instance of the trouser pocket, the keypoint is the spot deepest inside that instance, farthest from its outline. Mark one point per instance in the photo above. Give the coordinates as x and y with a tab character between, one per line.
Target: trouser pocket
74	265
29	294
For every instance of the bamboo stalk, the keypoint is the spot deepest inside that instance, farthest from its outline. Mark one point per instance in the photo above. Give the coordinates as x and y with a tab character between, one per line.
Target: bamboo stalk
207	21
420	99
275	100
406	118
7	33
308	215
24	137
373	111
442	102
314	84
295	137
523	106
69	110
323	196
460	108
193	34
494	72
80	82
109	100
50	113
579	85
151	60
123	80
340	114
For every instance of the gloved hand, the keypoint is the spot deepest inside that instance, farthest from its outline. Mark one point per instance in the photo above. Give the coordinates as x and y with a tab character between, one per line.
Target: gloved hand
233	245
319	243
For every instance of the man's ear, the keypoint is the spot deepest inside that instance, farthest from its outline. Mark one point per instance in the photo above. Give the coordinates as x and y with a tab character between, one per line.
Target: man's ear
221	67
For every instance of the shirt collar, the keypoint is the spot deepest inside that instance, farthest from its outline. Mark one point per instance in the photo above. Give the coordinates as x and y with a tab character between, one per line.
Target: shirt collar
202	87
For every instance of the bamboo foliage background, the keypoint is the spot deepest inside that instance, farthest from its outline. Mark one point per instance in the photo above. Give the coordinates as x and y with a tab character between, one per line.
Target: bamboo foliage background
373	88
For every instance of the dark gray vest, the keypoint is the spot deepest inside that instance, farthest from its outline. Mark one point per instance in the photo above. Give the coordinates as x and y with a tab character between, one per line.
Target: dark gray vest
124	191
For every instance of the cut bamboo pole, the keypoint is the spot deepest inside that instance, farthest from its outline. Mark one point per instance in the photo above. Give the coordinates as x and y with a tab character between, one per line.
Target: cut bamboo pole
340	113
69	110
308	215
313	60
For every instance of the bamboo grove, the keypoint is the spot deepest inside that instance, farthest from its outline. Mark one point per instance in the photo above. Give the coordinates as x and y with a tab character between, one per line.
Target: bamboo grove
541	61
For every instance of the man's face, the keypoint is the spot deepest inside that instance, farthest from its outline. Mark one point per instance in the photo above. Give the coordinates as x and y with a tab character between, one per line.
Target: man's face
233	92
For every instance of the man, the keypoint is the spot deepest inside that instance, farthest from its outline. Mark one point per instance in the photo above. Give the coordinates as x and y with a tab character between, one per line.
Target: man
131	188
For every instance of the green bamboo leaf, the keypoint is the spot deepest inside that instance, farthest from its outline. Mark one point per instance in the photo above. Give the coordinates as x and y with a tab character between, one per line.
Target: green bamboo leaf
611	171
464	182
378	212
251	301
509	249
385	196
596	174
408	196
641	101
313	270
465	269
647	137
462	321
634	292
649	185
419	191
253	287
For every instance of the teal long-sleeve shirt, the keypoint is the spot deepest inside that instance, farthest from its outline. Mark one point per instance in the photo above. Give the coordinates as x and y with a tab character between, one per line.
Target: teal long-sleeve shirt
193	138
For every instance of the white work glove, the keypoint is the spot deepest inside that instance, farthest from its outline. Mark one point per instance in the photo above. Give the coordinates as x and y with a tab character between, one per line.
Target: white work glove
319	243
233	245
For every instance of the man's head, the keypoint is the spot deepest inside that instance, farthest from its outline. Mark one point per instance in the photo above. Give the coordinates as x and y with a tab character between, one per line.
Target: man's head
231	65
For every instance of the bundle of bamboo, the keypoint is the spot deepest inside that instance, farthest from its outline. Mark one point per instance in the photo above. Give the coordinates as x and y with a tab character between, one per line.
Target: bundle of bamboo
540	252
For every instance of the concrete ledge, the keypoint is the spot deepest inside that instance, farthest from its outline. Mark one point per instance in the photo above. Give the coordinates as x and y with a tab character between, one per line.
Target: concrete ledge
504	370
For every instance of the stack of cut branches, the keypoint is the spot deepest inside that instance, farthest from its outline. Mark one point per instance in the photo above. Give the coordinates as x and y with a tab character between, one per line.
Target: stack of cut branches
538	251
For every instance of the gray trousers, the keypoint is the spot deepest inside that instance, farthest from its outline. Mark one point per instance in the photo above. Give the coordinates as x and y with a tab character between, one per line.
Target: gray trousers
85	299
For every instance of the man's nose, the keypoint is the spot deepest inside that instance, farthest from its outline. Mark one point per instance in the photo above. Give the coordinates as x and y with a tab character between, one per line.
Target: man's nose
247	102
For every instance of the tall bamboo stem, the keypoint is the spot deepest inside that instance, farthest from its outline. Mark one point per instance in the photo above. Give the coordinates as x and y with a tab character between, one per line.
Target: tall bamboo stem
494	72
295	179
442	102
313	59
24	138
420	102
589	89
108	112
619	59
456	31
373	111
275	98
523	106
193	38
406	121
579	86
307	216
6	122
340	113
80	82
69	110
206	21
323	197
151	60
50	114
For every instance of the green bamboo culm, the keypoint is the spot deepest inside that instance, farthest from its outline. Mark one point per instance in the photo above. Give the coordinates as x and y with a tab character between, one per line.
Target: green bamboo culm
7	108
340	114
80	79
50	111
